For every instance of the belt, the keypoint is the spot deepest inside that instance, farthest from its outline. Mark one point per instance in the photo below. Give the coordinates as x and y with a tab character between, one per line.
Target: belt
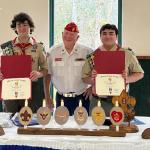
107	98
70	94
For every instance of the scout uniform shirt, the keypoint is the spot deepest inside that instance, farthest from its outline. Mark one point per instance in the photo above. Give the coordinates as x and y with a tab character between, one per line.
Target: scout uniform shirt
131	63
66	69
31	48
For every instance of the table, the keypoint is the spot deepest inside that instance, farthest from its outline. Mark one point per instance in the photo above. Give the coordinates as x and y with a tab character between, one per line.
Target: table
132	141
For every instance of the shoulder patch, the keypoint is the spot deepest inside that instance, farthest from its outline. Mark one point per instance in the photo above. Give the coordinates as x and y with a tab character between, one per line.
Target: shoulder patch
7	44
91	55
7	48
129	49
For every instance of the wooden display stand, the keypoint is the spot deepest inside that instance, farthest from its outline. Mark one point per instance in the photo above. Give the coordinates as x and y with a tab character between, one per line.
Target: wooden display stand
69	131
1	131
126	128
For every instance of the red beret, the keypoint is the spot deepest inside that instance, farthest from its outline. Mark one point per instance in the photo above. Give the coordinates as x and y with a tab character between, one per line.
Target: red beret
72	27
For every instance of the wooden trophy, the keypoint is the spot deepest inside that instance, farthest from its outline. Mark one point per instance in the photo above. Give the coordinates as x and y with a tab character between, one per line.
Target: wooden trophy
43	115
127	103
98	115
146	134
80	115
61	114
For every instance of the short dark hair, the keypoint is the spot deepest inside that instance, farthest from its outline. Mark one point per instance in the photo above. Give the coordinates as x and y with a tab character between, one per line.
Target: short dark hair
22	17
110	27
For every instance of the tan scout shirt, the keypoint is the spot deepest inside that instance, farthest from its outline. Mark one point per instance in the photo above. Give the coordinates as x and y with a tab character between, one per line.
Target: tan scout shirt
36	50
131	63
65	69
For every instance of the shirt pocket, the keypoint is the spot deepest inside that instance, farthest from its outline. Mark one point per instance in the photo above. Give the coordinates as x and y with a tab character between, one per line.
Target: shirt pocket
78	67
58	68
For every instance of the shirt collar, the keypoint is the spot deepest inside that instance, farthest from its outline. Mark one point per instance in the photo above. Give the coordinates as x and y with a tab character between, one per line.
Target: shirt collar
75	49
114	48
32	41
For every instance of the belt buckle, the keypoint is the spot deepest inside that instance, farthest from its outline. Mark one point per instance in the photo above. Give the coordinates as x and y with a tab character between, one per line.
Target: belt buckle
69	95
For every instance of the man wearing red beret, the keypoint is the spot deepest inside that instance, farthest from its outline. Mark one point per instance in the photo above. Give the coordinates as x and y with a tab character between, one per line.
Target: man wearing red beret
65	65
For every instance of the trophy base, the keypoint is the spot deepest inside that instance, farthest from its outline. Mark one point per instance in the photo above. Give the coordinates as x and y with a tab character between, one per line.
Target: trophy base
1	131
70	131
146	134
126	128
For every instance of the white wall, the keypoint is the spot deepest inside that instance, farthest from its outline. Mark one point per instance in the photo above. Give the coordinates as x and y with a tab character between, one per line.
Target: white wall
136	26
37	9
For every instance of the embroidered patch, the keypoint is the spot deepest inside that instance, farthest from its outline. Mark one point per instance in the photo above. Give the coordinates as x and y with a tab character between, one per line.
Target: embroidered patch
58	59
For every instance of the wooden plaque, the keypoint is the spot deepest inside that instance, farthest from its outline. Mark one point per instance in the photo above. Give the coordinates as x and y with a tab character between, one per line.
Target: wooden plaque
98	115
61	115
116	115
43	115
25	115
80	115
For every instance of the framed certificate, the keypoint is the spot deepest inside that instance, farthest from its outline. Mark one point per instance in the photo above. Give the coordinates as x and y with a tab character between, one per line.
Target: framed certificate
109	66
16	88
109	84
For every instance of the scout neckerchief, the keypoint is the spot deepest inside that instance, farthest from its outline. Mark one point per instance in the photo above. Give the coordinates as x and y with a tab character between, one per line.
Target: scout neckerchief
23	46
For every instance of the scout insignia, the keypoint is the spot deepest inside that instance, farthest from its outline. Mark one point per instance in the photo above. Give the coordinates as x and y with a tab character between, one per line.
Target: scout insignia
61	114
25	116
80	114
34	47
43	115
98	115
127	103
116	115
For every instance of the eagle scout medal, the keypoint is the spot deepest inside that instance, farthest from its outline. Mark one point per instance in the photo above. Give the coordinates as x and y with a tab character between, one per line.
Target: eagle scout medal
43	114
61	114
80	114
25	115
116	115
98	115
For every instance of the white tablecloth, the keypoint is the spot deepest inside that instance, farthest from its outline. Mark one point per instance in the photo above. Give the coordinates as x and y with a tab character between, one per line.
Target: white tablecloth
132	141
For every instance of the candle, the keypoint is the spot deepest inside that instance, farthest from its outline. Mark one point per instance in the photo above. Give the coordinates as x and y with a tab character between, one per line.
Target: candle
26	103
80	103
62	103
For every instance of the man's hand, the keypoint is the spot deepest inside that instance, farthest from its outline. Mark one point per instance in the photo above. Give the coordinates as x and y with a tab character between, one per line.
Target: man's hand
125	76
88	93
49	103
94	74
34	75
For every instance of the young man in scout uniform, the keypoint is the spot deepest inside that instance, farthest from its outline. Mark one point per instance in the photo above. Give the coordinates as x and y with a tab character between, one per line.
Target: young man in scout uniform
24	44
132	73
65	65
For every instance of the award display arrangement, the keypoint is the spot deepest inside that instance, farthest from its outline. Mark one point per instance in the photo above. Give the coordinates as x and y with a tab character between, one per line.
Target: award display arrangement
61	116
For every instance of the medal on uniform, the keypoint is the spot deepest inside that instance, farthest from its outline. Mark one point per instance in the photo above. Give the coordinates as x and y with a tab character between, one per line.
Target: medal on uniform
61	114
43	115
80	114
25	115
116	115
98	115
